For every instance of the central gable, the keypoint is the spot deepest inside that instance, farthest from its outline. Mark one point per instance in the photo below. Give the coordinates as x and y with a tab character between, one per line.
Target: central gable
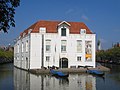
63	28
64	22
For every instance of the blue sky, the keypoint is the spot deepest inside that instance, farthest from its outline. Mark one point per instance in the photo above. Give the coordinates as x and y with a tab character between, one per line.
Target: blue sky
101	16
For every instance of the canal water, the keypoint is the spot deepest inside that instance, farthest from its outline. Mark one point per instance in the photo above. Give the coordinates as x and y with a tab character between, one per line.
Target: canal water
15	79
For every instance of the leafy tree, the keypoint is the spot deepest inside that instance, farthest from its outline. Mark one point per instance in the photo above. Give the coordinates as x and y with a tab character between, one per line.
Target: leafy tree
101	55
7	11
112	54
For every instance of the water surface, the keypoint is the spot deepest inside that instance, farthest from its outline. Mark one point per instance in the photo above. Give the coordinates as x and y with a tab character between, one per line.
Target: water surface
16	79
6	77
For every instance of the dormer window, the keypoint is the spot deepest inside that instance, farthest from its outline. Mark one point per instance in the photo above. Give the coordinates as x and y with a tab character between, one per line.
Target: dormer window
83	31
63	31
42	30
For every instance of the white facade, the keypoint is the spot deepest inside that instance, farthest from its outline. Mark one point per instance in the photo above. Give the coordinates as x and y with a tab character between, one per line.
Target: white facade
43	49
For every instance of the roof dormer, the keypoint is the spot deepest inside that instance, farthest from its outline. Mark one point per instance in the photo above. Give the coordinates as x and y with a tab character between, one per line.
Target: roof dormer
63	28
42	30
82	31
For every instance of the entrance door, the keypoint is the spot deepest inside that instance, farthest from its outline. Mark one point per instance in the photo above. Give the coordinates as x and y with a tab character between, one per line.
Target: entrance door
63	63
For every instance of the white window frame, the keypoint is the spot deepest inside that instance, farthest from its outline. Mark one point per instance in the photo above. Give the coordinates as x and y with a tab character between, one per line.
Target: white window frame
48	45
22	47
27	46
83	31
47	58
79	46
63	46
65	30
18	47
18	58
88	50
47	48
22	57
79	58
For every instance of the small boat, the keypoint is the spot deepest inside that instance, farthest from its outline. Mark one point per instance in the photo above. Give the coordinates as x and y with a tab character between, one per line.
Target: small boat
53	72
95	72
58	73
61	74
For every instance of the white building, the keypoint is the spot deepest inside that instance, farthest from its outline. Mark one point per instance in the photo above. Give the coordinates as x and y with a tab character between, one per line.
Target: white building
55	43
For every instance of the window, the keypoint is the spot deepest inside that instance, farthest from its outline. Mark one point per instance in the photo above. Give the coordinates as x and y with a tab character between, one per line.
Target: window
78	58
27	46
83	31
63	31
47	48
63	48
42	30
47	58
26	58
18	48
22	57
22	46
79	46
48	45
15	58
88	50
63	45
26	62
18	58
88	47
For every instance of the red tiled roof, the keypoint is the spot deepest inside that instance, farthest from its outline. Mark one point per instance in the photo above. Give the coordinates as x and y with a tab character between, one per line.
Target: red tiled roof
51	27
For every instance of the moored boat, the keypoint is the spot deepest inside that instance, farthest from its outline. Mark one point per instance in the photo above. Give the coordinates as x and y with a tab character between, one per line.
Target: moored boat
95	72
58	73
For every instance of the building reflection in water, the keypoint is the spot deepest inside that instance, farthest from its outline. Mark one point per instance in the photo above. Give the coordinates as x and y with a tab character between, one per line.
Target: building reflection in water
26	81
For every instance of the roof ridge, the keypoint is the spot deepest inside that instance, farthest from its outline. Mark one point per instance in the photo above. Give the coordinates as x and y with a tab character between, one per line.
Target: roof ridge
50	20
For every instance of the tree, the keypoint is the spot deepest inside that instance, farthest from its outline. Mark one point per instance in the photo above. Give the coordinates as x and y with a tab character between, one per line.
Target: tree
112	54
7	11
